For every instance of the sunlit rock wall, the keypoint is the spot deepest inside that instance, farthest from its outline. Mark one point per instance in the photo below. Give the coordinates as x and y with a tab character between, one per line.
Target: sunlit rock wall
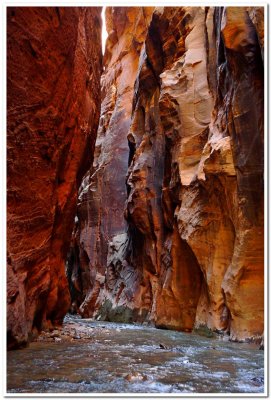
189	253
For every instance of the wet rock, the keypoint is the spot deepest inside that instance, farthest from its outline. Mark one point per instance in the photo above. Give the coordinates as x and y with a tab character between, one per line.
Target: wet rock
262	344
135	376
76	337
53	101
70	331
203	330
258	381
163	346
54	334
48	380
179	350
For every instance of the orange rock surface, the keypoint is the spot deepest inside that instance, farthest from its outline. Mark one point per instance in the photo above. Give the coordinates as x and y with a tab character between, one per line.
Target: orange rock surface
53	105
103	191
191	255
170	216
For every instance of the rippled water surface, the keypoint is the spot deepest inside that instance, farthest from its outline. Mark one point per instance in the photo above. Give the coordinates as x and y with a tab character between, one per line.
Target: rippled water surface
121	358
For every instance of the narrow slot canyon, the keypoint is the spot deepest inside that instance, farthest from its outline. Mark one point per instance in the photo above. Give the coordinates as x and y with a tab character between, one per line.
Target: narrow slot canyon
135	200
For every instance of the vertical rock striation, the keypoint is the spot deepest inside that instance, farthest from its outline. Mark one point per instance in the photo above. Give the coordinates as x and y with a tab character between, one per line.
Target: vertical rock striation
103	192
191	254
53	106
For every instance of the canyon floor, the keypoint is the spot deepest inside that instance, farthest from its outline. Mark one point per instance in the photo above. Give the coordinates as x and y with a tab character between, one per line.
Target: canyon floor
87	356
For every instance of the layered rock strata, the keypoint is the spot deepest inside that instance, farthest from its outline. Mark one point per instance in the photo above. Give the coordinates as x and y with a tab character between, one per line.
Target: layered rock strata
191	256
53	105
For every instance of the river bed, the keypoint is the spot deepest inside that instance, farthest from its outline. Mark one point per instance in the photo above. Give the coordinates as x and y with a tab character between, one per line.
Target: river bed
124	358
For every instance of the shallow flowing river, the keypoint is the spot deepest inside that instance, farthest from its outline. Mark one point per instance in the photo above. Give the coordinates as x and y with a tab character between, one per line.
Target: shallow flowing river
122	358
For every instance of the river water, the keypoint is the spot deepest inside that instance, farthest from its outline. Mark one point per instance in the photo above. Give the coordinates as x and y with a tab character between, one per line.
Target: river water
122	358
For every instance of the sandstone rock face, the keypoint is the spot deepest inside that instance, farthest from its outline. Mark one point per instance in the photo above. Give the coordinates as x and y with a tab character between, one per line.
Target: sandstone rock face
189	254
103	191
53	106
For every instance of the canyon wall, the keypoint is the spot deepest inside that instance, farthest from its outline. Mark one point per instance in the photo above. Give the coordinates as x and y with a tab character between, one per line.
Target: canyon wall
183	249
102	195
54	64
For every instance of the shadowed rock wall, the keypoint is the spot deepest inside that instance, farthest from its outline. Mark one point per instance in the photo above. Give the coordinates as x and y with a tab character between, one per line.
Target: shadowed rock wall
53	106
189	254
103	194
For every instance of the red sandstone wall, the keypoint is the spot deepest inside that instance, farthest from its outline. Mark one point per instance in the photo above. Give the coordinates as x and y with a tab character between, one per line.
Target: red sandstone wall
53	106
192	254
